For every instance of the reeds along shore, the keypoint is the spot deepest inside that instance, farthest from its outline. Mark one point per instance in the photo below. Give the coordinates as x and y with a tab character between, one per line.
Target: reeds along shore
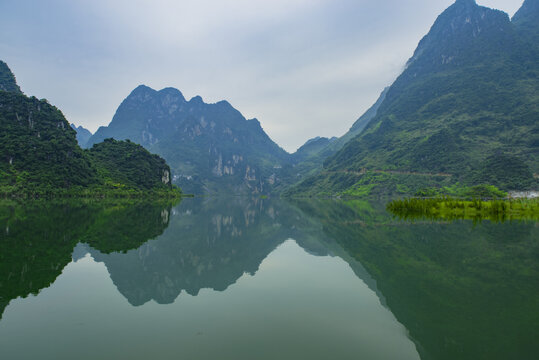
454	209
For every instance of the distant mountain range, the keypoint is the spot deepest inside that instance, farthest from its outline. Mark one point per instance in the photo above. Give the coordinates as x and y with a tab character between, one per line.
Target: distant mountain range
465	110
83	135
211	147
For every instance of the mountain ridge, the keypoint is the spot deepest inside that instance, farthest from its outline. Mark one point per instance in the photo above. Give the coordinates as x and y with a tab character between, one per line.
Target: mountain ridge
211	147
468	93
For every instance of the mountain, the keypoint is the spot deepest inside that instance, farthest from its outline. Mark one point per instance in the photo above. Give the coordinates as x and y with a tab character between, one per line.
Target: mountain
83	135
7	79
467	98
38	237
221	240
129	164
38	146
210	147
39	153
525	20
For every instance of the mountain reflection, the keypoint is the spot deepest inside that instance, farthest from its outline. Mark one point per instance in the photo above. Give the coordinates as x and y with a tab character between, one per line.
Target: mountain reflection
209	243
463	290
37	239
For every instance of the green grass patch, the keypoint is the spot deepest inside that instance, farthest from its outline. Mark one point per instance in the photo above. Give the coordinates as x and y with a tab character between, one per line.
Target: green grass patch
455	209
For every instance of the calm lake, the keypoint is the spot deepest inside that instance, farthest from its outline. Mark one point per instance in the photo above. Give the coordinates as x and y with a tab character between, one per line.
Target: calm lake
240	278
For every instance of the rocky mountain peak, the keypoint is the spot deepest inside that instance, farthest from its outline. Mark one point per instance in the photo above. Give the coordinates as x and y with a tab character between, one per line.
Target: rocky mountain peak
466	3
458	30
141	93
7	79
172	93
197	100
142	89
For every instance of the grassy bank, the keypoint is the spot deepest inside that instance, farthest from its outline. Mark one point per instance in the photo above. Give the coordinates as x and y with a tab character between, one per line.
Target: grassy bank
97	192
453	209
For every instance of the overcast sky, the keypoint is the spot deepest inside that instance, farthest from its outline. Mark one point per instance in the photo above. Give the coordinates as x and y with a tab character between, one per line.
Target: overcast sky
304	68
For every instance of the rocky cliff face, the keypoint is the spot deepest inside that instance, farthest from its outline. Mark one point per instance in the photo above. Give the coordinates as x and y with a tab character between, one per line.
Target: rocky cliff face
210	147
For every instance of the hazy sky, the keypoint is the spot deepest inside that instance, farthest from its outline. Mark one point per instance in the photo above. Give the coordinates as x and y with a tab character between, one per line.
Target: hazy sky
304	68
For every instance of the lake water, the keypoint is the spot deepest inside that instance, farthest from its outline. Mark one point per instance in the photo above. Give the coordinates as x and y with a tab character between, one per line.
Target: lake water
239	278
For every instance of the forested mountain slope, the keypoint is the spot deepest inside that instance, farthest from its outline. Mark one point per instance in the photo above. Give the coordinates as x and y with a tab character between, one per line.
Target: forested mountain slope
39	153
464	110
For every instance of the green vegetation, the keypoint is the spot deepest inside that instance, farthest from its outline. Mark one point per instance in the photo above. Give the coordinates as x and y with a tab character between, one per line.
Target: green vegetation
40	157
466	105
509	172
469	192
87	192
366	183
129	165
39	148
453	209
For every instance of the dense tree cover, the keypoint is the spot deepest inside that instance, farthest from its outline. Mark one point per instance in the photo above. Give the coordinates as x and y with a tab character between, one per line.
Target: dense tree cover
123	163
39	155
467	105
38	147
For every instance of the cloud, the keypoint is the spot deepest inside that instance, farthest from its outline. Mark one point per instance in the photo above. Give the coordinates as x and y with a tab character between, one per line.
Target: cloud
303	67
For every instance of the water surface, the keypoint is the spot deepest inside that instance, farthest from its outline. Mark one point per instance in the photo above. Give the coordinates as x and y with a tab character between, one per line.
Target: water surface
262	279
